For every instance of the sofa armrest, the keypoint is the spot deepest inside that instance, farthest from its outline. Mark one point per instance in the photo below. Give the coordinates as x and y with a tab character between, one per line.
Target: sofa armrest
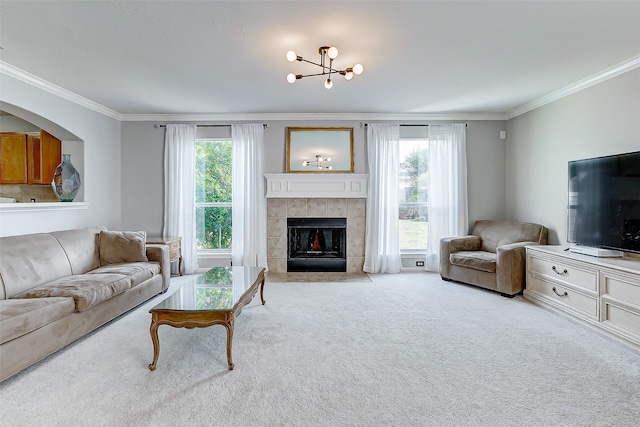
449	245
510	267
160	254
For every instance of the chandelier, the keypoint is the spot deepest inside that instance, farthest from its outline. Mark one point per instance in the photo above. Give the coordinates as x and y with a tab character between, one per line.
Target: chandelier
327	70
318	162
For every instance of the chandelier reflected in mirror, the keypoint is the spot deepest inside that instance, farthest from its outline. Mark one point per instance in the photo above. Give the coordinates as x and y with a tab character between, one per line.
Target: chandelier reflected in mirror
318	162
325	52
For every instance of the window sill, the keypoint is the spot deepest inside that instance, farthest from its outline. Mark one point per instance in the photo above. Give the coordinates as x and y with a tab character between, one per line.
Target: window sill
213	253
41	207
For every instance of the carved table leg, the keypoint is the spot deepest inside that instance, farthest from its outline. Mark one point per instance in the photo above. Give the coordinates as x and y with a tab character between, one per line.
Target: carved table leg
262	292
156	343
229	327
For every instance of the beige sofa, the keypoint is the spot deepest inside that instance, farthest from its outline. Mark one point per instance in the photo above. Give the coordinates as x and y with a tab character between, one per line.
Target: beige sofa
56	287
492	257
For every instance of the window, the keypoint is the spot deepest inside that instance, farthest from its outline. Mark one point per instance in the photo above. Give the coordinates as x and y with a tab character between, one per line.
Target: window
414	157
213	195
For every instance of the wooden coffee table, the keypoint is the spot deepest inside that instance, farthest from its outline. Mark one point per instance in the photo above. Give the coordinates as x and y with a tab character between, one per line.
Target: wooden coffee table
214	298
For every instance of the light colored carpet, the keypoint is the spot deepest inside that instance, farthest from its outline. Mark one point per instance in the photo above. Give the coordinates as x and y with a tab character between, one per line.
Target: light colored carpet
402	350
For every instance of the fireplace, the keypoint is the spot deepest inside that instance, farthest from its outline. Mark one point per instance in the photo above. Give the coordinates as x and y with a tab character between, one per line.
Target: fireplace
316	244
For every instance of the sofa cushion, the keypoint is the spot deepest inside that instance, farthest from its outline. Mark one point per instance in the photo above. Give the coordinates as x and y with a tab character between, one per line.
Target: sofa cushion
498	233
117	247
478	260
81	247
87	290
30	260
138	272
21	316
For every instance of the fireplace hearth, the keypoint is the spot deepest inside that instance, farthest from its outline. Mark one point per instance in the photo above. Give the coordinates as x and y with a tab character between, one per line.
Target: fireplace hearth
316	244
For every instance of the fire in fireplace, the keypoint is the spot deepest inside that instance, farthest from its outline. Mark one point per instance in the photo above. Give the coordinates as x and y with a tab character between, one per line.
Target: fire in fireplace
317	244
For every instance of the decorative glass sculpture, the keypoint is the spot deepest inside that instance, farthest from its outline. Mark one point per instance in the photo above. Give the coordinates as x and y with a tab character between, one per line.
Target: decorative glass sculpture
66	180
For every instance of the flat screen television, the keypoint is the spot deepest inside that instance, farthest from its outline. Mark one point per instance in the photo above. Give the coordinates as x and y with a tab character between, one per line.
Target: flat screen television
604	202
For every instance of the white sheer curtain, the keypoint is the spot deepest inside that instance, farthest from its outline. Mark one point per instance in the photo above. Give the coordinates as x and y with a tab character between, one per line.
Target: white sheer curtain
249	239
382	250
179	189
448	206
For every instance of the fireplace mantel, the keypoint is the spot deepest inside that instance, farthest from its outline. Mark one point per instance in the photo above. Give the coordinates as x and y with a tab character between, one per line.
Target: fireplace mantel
320	185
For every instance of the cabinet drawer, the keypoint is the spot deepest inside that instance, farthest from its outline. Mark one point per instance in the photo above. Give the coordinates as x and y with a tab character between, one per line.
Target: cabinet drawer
560	271
621	318
585	304
174	254
621	289
174	245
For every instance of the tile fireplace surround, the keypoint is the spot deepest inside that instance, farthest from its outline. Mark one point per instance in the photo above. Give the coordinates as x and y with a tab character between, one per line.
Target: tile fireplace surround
312	196
279	209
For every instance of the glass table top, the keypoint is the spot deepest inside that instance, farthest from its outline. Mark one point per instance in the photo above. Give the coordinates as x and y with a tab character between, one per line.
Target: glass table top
217	290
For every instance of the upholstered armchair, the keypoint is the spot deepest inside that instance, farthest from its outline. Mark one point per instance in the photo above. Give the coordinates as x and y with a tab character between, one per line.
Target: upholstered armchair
492	257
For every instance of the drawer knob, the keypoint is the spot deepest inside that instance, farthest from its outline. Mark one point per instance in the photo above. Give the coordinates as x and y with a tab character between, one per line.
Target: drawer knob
559	294
559	272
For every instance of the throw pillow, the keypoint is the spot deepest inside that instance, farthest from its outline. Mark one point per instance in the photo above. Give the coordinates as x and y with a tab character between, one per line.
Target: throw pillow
117	247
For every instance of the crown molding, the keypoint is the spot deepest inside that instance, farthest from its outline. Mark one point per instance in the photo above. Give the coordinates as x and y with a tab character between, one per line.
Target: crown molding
18	74
607	74
616	70
420	117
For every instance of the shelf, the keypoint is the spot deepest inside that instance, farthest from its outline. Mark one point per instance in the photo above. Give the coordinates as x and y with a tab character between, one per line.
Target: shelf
40	207
320	185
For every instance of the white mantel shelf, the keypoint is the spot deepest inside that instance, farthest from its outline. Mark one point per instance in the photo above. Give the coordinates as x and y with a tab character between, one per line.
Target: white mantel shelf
38	207
318	185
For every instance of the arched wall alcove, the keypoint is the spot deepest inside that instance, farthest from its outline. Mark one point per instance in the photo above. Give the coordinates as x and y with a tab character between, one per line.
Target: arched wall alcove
89	129
16	119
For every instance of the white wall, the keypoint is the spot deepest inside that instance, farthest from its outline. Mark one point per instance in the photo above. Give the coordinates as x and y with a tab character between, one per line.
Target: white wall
143	177
10	123
101	174
597	121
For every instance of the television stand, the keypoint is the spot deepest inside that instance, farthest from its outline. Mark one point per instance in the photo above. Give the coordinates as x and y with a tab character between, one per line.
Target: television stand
597	252
600	293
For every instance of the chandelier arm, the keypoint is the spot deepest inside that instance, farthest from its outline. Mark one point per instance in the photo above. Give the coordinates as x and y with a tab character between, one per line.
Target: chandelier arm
311	62
335	70
325	69
317	74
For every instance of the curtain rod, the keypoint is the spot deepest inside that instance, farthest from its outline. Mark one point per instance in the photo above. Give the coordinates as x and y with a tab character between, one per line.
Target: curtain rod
411	125
264	125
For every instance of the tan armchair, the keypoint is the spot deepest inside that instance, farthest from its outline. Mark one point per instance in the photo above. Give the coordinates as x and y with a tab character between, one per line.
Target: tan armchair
492	257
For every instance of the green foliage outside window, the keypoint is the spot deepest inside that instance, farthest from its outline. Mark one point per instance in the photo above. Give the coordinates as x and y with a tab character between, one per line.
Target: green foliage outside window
213	194
416	165
413	214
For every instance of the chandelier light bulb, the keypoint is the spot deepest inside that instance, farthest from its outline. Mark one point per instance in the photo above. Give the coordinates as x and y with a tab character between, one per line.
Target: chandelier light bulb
332	52
328	159
329	167
305	163
348	75
291	56
328	84
358	69
291	78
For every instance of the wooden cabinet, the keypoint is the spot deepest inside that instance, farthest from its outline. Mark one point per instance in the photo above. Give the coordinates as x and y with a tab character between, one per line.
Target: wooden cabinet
175	248
27	158
13	158
603	293
44	153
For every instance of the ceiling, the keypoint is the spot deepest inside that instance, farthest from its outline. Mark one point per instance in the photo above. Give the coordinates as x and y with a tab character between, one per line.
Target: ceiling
228	57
